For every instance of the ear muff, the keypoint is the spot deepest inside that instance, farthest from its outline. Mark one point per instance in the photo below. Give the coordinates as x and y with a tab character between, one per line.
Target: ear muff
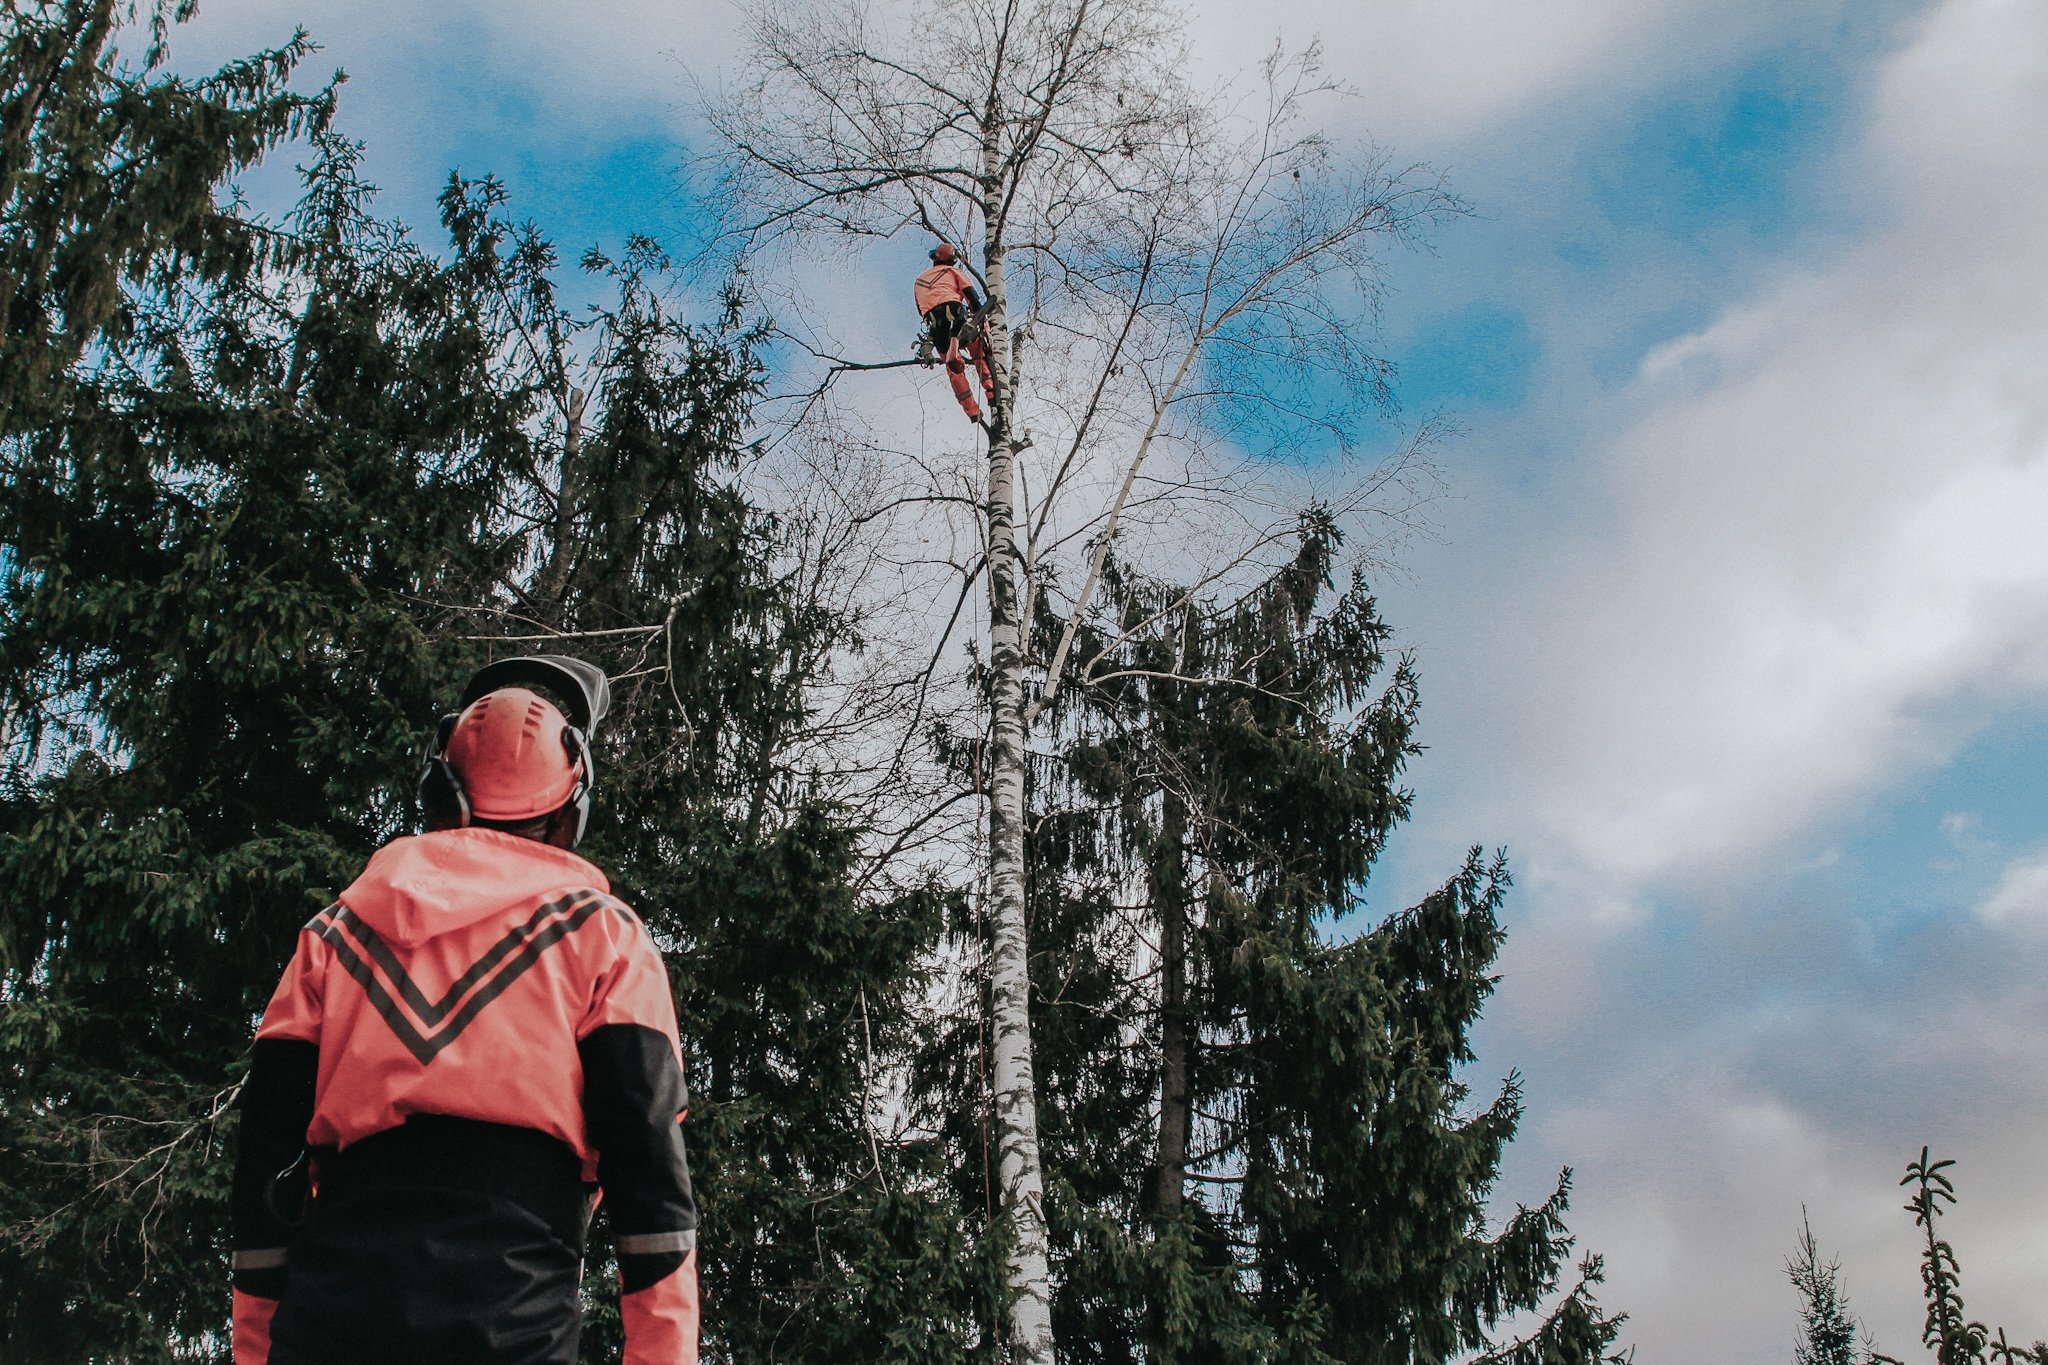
572	817
443	802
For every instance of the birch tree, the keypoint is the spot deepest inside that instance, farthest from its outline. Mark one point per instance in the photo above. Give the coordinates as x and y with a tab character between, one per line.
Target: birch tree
1176	283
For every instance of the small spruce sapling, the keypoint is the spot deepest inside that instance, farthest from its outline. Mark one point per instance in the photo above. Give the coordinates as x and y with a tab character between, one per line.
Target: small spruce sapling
1828	1335
1954	1338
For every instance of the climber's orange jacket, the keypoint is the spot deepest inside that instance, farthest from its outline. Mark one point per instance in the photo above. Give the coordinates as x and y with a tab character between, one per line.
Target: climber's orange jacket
943	284
466	1048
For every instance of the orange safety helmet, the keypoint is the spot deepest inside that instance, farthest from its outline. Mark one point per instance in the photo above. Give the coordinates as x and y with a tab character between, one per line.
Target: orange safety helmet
944	254
510	754
509	747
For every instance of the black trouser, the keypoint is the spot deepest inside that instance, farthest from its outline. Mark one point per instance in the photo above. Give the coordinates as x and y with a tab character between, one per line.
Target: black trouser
445	1241
946	321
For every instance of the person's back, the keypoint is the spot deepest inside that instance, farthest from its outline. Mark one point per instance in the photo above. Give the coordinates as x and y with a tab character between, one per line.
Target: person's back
942	284
470	1042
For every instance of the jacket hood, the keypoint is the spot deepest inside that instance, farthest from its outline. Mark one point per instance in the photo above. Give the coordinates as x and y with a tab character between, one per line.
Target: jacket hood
428	884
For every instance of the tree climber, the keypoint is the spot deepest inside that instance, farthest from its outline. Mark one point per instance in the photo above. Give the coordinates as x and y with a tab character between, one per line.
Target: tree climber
468	1048
952	312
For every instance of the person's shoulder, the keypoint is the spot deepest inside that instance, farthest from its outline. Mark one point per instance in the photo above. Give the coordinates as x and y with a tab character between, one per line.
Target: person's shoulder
620	935
549	862
597	901
603	897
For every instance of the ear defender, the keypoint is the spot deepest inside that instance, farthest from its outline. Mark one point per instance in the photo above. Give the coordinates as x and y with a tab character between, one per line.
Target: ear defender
443	802
510	756
572	818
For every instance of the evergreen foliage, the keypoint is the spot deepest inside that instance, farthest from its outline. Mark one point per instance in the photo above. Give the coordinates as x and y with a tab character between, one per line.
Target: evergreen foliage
1828	1334
1954	1338
1258	1143
217	507
270	491
108	175
1827	1331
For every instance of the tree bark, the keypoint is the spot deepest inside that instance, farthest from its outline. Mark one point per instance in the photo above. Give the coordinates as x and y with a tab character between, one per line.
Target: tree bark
553	581
1016	1091
1168	876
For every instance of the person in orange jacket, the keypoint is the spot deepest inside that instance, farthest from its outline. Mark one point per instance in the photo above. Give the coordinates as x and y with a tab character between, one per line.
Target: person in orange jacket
946	300
467	1049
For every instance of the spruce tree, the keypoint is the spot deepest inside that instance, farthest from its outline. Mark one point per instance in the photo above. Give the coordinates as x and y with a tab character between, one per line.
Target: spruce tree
269	492
216	637
108	175
1260	1143
1951	1336
219	508
1827	1331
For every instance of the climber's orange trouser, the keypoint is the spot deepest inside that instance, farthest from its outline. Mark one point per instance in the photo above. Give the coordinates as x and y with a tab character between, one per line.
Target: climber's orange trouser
947	321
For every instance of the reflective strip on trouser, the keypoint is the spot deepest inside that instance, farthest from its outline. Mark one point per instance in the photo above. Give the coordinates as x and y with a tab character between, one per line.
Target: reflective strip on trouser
654	1243
264	1258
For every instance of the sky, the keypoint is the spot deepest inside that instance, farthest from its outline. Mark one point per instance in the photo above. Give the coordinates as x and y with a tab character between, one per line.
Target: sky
1733	628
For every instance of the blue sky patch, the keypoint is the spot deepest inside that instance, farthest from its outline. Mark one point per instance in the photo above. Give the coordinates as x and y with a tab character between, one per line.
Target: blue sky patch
1727	159
1480	356
1937	846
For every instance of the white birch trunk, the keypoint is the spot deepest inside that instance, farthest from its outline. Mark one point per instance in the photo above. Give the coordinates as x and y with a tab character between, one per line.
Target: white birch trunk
1016	1092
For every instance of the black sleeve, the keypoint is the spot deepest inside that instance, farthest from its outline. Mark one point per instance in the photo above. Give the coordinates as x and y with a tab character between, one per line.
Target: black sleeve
633	1099
271	1186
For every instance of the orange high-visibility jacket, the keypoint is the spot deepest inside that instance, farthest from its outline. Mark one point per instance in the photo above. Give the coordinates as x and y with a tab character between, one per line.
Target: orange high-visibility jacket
467	1044
943	284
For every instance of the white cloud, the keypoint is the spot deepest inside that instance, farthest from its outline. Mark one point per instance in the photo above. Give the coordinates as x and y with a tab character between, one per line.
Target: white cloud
1706	1079
2021	897
1808	567
1431	72
1818	548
